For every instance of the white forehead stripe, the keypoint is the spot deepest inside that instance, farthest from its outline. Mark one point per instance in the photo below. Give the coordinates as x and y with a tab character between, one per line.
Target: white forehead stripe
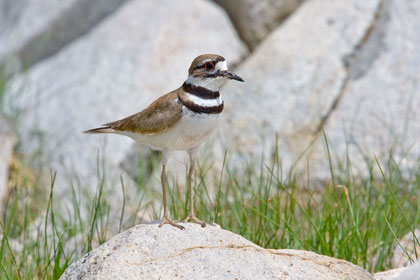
221	65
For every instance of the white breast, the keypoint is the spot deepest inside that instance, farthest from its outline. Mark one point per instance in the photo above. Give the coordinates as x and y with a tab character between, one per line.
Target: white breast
190	131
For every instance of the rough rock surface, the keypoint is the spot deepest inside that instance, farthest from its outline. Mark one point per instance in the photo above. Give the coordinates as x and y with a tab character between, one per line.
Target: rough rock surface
31	30
132	57
295	76
150	252
7	142
353	70
376	111
411	246
255	19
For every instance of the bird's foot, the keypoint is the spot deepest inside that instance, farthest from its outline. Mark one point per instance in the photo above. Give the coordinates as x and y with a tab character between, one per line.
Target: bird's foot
195	220
168	221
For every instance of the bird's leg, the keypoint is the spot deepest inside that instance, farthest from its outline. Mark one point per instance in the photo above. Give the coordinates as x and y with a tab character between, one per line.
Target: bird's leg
164	179
191	216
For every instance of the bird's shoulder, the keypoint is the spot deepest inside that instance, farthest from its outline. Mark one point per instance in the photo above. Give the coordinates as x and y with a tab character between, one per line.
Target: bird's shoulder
159	116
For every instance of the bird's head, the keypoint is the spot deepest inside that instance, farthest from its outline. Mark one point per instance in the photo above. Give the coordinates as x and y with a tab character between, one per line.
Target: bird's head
210	71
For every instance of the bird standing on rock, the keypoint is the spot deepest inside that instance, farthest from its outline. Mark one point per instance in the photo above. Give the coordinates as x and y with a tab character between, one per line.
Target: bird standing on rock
180	120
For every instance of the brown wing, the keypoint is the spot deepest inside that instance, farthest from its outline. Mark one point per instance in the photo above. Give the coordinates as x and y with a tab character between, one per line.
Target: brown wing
162	114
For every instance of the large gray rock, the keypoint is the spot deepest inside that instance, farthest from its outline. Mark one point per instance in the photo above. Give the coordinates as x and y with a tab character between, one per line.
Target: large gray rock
377	111
31	30
7	143
347	66
255	19
294	78
150	252
139	53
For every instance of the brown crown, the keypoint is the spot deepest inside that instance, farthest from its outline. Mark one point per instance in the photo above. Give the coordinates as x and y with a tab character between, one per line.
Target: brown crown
199	60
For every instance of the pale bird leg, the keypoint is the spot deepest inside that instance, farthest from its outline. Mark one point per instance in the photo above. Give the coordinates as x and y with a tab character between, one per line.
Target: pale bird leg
164	179
191	216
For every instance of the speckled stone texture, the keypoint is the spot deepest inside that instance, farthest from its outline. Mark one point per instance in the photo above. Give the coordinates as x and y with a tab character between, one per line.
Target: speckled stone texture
150	252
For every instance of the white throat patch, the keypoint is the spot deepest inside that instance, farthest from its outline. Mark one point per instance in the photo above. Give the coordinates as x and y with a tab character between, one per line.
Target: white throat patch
212	84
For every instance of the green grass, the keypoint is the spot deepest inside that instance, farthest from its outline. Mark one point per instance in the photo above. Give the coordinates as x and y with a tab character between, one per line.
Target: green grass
352	218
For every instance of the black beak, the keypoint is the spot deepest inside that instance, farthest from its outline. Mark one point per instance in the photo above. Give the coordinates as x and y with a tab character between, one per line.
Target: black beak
232	76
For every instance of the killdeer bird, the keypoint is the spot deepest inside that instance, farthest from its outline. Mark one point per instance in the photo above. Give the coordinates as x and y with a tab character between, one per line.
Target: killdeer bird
180	120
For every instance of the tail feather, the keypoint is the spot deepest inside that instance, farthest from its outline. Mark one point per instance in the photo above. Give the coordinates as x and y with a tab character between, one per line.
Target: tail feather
102	129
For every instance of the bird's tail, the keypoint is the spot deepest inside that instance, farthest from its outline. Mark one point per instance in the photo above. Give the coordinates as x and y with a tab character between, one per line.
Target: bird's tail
102	129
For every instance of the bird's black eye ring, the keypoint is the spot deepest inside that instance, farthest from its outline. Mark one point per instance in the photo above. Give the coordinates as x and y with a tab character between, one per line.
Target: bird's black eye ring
209	66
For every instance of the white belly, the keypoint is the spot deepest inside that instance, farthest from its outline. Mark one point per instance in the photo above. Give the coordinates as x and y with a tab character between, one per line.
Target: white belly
191	130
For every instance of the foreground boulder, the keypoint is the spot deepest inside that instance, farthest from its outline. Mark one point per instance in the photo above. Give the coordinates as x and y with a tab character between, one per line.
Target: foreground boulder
150	252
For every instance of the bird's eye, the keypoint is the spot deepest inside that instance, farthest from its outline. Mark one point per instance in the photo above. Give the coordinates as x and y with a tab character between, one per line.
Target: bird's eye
209	66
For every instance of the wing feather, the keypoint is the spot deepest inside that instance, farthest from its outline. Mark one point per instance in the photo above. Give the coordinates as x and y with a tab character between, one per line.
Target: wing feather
159	116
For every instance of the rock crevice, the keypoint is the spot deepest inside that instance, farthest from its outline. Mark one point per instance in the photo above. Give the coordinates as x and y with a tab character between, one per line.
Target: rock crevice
363	55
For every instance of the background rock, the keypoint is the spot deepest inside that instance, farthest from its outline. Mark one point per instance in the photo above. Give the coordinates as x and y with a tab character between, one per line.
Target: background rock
31	30
352	70
294	78
150	252
411	246
376	110
7	142
411	273
255	19
389	274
